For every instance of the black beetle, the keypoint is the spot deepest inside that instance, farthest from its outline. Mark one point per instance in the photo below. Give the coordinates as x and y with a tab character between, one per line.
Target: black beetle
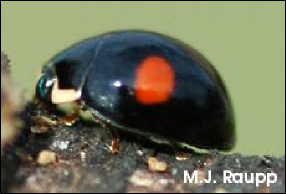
145	83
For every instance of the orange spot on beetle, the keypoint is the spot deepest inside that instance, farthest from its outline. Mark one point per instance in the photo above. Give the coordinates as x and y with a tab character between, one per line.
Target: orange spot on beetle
155	80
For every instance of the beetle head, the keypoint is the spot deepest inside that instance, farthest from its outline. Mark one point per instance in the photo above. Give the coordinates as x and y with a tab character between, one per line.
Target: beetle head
44	87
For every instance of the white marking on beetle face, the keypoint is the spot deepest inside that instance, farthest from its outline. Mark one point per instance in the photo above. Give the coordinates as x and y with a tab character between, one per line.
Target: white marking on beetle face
64	96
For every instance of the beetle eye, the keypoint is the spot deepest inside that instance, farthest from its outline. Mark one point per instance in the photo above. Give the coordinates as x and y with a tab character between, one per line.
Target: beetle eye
44	88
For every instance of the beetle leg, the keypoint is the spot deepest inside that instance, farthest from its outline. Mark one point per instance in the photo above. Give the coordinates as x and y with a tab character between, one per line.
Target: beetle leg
115	144
42	124
180	156
71	119
68	120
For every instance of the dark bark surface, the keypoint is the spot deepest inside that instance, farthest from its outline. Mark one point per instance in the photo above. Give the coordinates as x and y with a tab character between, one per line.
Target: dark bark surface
84	163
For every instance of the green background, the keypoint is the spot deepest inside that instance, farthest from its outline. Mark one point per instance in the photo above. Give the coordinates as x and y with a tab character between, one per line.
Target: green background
244	40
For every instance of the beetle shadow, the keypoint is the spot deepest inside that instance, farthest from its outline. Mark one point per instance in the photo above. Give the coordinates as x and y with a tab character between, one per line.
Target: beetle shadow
154	147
